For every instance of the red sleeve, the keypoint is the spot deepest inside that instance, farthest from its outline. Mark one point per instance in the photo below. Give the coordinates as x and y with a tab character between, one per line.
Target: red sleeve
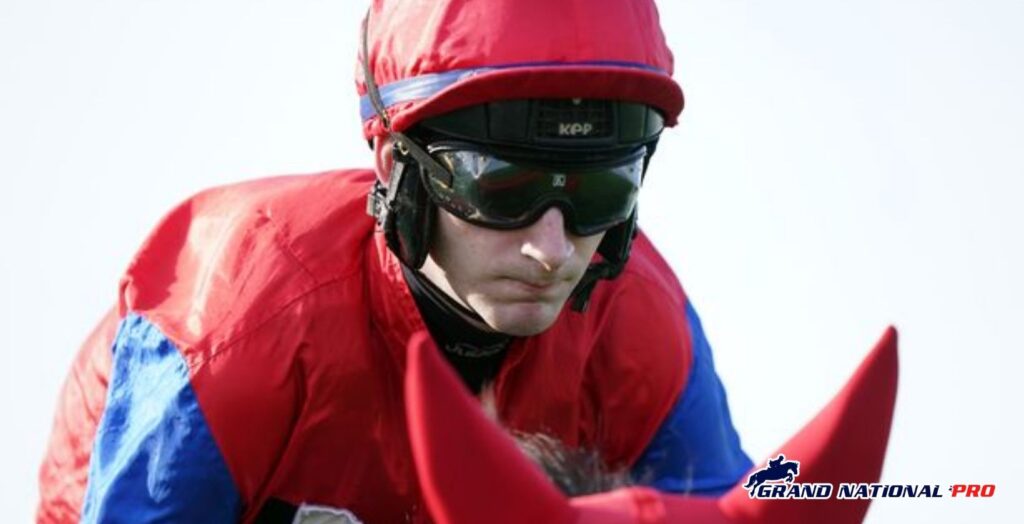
63	475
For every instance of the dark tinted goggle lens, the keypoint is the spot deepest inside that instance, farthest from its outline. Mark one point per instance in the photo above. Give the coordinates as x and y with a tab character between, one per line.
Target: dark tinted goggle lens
507	194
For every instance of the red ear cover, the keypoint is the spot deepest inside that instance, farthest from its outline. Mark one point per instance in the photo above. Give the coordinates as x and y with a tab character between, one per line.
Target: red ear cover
470	471
845	442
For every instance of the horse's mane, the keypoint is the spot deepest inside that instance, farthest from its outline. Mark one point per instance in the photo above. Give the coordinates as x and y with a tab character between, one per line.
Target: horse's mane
575	471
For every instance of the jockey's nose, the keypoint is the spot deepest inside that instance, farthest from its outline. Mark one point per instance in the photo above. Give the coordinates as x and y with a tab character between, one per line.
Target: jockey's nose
547	242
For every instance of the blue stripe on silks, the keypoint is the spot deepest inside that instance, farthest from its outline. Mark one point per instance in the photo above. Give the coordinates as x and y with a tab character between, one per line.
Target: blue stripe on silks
154	458
696	450
425	86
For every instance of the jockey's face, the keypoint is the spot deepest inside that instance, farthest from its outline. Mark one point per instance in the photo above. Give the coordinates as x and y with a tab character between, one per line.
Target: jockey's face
517	280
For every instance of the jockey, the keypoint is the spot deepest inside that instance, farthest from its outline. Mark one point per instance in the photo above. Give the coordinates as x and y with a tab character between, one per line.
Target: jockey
253	364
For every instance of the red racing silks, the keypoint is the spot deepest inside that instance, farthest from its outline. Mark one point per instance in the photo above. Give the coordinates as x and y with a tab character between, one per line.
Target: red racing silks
471	471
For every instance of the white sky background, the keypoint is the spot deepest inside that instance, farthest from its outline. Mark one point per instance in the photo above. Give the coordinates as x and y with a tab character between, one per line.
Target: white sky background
839	166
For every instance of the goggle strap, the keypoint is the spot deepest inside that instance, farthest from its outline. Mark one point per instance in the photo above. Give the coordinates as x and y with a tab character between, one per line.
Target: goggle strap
424	159
407	144
371	85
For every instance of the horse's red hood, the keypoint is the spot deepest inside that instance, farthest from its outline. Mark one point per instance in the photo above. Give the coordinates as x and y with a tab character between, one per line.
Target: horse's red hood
470	471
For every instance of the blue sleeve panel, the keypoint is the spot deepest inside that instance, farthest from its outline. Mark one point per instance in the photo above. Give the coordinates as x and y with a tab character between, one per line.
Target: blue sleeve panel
696	450
154	458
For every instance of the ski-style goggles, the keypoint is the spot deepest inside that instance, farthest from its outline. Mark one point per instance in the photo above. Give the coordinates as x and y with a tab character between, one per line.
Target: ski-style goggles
507	193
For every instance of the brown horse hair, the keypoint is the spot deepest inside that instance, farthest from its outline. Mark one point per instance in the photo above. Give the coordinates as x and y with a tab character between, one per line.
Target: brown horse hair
574	470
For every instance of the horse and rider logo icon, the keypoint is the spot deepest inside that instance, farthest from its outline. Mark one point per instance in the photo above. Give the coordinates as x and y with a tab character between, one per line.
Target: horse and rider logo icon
778	469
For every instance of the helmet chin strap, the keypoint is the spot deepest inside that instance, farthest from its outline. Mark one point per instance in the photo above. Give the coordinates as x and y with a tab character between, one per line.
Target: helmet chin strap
595	272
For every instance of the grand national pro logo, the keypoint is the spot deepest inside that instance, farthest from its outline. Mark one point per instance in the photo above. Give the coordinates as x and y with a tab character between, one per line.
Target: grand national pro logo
778	481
